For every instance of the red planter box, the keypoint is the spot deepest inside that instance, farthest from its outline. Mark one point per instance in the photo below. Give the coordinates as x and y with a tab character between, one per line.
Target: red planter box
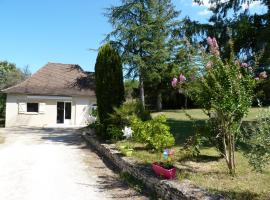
166	173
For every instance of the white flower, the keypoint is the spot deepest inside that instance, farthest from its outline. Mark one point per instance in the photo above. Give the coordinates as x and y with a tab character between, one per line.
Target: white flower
127	132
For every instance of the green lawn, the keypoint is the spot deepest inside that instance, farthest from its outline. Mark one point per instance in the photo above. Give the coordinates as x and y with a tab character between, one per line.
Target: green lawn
209	169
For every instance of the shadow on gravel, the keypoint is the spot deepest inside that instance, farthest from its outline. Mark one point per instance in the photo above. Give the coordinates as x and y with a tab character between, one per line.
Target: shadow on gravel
67	136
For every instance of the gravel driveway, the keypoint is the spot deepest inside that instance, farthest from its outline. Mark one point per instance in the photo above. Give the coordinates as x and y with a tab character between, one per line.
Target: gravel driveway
55	164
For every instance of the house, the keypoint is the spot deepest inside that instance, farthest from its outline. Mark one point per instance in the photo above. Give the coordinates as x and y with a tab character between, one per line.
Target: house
57	95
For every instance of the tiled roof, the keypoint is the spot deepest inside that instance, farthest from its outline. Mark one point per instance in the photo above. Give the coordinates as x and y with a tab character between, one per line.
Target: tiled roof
57	79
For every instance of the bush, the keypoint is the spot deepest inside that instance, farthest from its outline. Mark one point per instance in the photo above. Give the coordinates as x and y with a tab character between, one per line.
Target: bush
99	128
122	115
114	132
258	141
154	133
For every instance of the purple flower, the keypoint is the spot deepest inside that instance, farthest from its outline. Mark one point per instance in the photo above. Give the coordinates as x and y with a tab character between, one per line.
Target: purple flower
174	82
215	44
263	75
209	65
244	65
209	41
214	48
182	78
193	78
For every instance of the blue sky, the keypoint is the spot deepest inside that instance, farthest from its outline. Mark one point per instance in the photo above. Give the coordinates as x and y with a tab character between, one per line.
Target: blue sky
34	32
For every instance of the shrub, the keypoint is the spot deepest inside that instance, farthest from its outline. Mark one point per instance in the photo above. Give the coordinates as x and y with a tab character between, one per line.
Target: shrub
154	133
114	132
99	128
122	115
225	90
258	141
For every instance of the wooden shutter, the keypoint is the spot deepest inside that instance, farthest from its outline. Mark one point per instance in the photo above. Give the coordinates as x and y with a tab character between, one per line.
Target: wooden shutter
41	107
22	107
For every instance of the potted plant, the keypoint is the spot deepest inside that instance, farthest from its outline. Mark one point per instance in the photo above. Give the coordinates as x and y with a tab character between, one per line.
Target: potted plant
165	169
127	131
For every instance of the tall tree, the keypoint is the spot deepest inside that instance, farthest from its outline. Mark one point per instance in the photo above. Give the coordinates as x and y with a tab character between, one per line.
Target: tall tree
163	47
109	82
144	33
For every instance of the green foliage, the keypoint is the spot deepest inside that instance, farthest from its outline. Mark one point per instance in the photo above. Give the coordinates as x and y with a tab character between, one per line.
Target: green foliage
249	29
147	35
226	94
114	132
155	133
109	82
2	105
258	141
10	75
263	92
99	128
131	87
121	116
192	145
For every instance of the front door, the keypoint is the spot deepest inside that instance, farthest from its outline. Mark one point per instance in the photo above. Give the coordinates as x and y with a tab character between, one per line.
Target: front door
64	113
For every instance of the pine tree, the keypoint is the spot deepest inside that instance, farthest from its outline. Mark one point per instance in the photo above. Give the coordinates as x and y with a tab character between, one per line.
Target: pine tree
145	34
109	82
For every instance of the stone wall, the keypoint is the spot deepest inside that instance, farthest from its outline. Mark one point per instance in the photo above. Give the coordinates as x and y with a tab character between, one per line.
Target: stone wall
166	189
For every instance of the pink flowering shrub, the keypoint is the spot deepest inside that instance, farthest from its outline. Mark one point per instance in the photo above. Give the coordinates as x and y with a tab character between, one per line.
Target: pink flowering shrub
225	93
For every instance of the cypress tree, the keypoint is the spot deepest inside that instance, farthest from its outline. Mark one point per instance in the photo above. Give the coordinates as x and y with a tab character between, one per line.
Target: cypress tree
109	82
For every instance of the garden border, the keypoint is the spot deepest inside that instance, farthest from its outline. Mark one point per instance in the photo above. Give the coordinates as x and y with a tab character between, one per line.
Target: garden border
166	189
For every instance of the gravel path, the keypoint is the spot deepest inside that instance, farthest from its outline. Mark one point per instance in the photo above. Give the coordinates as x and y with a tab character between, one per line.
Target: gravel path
55	164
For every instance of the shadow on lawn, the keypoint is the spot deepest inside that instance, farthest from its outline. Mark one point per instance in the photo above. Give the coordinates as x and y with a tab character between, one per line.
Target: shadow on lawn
205	158
246	195
181	130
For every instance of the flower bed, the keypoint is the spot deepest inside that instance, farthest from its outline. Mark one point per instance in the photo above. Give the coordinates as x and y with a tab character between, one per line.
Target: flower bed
165	189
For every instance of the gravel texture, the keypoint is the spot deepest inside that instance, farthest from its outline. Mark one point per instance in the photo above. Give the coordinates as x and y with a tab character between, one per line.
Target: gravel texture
55	164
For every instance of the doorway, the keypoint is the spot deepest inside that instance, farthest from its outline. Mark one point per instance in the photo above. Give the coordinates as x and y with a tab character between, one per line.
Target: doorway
64	113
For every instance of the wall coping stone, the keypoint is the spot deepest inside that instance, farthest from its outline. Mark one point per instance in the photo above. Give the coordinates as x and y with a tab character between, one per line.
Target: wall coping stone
166	189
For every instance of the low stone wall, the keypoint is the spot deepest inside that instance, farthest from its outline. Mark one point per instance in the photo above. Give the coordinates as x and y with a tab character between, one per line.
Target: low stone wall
166	189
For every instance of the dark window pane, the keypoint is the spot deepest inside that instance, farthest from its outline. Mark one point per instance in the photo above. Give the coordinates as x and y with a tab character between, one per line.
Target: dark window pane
60	112
67	110
32	107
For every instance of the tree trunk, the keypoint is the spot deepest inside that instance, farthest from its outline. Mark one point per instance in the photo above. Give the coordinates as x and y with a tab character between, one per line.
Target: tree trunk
142	92
159	101
229	152
186	101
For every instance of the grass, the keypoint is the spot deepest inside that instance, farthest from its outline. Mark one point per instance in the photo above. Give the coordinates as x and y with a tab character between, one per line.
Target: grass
208	170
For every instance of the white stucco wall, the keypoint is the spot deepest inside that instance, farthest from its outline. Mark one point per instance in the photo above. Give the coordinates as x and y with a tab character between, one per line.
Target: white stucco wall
79	114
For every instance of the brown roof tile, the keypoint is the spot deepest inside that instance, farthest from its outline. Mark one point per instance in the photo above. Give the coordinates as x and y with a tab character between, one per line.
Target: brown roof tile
57	79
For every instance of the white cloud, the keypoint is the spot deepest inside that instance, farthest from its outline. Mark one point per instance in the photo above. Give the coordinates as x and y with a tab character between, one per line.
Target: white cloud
204	12
205	4
251	5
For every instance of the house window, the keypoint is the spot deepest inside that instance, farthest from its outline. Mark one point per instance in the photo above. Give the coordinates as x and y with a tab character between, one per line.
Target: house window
32	107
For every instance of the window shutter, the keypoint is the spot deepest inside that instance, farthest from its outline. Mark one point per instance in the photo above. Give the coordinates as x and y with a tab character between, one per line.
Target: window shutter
22	107
41	107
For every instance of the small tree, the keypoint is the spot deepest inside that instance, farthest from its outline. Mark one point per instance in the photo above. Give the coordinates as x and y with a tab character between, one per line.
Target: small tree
10	75
109	82
225	92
